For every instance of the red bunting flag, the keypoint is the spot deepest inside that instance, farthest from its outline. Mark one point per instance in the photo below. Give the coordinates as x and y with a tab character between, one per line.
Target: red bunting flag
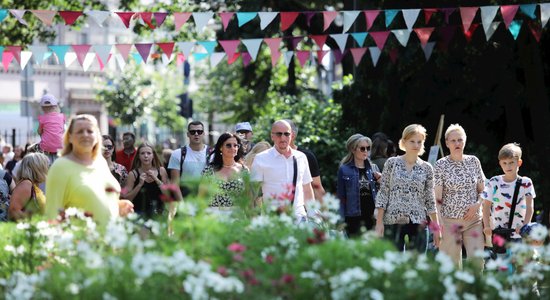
16	51
379	38
247	58
394	53
160	17
319	39
126	17
536	29
303	56
226	17
180	18
166	48
320	55
229	46
7	57
468	34
370	16
508	13
357	54
70	16
424	34
467	14
287	19
232	58
428	12
273	44
81	51
147	17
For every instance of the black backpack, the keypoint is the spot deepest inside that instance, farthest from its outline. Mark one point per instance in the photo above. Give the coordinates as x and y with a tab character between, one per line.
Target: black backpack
184	153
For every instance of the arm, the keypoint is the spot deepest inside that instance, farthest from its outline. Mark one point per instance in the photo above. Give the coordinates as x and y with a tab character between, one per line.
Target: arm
318	189
19	198
487	230
57	184
163	175
528	212
380	221
308	192
131	190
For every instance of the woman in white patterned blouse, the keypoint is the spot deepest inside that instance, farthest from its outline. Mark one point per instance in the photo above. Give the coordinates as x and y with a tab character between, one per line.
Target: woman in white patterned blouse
459	180
406	194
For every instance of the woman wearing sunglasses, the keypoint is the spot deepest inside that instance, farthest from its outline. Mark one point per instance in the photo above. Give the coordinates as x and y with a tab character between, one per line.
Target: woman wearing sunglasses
225	171
357	185
118	170
407	195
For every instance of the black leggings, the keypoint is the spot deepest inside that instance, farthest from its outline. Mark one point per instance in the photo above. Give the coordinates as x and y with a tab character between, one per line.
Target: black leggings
416	233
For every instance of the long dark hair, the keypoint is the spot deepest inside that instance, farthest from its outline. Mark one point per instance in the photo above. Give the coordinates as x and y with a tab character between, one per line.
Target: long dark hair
108	137
217	161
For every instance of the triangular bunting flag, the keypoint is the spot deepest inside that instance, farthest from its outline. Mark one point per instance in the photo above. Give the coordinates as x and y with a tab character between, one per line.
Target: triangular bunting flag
410	16
490	30
160	17
1	51
349	19
3	15
200	56
328	18
121	63
166	60
124	50
70	16
266	18
103	52
338	56
515	28
180	58
137	58
88	60
101	65
39	53
253	46
274	44
467	14
357	54
544	13
60	51
201	19
319	40
288	57
428	13
216	58
25	57
390	16
320	55
167	48
16	51
246	58
488	14
341	40
229	46
374	55
470	33
231	59
447	33
370	16
226	17
528	10
402	35
18	14
309	15
180	18
359	37
448	11
380	38
287	19
185	48
208	45
428	49
98	16
147	17
245	17
144	50
125	17
303	56
81	51
508	13
535	29
70	58
46	16
7	57
295	40
424	34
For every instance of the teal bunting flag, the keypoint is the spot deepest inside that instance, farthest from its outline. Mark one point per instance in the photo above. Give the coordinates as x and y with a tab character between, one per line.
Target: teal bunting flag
515	27
199	56
359	37
390	15
208	45
137	57
3	14
60	51
245	17
529	10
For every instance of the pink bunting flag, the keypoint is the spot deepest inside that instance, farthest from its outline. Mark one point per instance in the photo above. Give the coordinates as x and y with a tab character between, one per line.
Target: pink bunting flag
147	17
247	58
428	12
320	55
160	17
226	17
180	18
328	18
303	56
81	51
180	58
144	50
470	33
287	19
101	64
125	17
447	11
357	54
16	51
229	46
536	29
167	48
424	34
7	57
124	50
233	57
467	14
370	16
295	40
46	16
338	55
508	13
309	15
319	39
447	33
394	53
273	44
70	16
379	37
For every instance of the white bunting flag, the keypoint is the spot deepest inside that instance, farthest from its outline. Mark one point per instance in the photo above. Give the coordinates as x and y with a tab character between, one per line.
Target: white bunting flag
349	19
288	57
374	55
341	39
488	14
253	46
266	18
402	35
98	16
201	19
410	16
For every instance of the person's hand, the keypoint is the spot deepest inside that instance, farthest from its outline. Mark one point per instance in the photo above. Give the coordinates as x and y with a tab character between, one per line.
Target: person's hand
142	178
379	229
378	176
487	231
125	207
473	212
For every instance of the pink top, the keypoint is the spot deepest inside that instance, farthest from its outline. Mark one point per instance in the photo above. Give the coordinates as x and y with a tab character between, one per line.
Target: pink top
52	125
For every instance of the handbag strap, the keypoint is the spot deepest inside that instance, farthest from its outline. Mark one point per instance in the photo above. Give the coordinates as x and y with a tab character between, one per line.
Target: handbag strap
294	178
514	202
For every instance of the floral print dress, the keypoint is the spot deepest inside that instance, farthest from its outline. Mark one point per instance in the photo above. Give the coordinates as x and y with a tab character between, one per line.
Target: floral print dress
228	189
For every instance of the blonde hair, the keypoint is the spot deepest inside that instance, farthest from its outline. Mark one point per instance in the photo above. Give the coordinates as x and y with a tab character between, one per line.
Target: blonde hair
455	127
68	147
351	145
136	163
34	167
511	150
259	147
411	130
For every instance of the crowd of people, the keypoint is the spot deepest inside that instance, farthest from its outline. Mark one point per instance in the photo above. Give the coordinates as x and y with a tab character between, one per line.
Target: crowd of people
396	196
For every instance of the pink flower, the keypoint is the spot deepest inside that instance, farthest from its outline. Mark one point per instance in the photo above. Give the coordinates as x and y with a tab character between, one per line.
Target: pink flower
236	247
238	257
269	259
287	278
434	227
169	192
498	240
248	273
222	271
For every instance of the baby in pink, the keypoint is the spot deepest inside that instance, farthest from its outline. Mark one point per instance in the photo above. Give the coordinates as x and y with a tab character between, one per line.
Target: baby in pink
51	126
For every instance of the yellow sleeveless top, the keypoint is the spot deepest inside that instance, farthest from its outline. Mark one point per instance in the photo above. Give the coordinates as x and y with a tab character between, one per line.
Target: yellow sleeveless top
37	202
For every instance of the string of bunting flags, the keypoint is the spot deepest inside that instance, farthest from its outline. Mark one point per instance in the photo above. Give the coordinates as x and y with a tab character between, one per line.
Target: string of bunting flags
86	55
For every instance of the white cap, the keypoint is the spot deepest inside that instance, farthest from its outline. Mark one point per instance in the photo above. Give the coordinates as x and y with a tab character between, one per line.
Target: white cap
48	100
243	126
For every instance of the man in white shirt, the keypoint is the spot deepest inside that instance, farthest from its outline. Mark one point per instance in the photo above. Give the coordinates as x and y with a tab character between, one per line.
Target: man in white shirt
193	155
275	170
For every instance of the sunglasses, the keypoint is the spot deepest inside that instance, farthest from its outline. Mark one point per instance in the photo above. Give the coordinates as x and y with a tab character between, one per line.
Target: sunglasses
243	131
280	134
229	146
364	149
196	132
108	147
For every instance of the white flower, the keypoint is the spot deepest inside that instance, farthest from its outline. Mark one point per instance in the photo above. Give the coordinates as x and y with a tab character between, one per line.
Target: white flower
539	233
376	295
446	264
188	208
381	264
465	276
348	284
260	222
23	226
73	289
450	289
107	296
468	296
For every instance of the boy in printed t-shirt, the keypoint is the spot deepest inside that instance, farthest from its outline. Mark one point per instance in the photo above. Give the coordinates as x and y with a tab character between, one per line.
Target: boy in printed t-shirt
499	192
51	127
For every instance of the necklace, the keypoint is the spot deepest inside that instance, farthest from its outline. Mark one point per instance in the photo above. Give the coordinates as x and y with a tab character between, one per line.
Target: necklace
229	166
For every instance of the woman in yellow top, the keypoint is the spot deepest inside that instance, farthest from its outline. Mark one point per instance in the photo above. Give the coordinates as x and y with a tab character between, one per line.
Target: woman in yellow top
27	198
81	178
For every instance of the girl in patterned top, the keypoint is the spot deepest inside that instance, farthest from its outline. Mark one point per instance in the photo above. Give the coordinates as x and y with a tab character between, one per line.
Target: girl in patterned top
406	194
226	170
459	180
